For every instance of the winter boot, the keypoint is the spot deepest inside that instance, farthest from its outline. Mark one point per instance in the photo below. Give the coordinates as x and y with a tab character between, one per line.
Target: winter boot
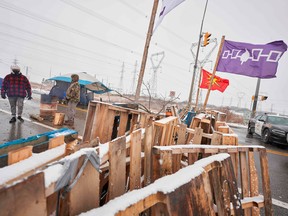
13	119
20	119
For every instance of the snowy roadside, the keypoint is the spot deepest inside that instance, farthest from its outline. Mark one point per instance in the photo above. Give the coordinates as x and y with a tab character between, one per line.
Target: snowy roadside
235	125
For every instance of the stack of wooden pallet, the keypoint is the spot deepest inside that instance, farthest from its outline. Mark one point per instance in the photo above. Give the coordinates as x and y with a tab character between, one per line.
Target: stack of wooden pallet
156	167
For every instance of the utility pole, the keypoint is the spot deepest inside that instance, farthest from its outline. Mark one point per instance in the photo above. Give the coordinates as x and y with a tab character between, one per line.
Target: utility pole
255	98
145	53
196	58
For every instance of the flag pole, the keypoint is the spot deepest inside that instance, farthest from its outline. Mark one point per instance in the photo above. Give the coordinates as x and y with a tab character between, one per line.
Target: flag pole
145	53
198	90
214	71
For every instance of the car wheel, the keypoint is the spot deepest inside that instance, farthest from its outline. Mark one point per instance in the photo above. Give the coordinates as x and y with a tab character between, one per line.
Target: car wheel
266	136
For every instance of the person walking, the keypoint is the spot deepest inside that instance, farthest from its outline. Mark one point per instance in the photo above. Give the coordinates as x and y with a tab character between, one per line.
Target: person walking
73	98
16	86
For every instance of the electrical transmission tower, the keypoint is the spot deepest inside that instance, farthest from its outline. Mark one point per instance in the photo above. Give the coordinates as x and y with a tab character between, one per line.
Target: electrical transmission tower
240	96
155	66
15	61
200	64
121	79
134	79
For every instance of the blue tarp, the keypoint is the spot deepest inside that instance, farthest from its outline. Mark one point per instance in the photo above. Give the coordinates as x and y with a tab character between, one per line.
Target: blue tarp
68	80
86	81
1	80
49	134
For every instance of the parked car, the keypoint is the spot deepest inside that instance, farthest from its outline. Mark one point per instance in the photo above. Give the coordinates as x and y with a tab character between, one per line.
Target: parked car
272	128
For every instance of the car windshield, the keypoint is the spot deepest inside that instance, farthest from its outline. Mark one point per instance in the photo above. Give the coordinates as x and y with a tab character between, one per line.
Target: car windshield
278	120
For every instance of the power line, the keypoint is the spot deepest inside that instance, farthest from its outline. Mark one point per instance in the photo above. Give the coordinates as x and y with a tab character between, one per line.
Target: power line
104	19
161	26
51	53
94	14
26	13
45	45
63	43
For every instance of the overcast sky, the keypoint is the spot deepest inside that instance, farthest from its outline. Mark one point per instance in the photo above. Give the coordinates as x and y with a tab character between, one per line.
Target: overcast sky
104	38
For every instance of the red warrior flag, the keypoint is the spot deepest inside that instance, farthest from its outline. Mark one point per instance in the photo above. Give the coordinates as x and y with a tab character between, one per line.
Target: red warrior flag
217	84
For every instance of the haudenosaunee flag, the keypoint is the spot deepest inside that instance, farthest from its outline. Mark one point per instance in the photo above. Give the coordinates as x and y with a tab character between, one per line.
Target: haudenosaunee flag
167	6
250	59
218	83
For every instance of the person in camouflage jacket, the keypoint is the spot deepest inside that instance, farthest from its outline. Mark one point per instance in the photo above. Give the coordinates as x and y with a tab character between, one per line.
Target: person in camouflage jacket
73	98
16	87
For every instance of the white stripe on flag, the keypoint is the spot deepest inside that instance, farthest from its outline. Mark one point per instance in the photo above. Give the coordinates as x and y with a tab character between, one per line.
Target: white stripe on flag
167	6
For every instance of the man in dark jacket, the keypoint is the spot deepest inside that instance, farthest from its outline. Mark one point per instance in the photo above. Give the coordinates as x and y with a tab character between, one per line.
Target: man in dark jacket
16	86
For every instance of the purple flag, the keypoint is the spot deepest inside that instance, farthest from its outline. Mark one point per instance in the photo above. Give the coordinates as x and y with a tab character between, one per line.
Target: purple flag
250	59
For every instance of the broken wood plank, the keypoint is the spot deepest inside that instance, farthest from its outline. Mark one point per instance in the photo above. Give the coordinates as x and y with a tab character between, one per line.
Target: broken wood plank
135	163
117	167
24	198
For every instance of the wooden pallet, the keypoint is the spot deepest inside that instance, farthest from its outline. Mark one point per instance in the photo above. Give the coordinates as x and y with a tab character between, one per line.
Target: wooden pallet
166	196
107	121
246	169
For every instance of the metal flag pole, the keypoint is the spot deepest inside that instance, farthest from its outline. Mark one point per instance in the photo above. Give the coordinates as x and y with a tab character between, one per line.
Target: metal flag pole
196	59
214	71
145	54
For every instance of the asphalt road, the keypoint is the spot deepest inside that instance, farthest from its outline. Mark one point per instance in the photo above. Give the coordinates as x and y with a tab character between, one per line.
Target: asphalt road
278	170
31	127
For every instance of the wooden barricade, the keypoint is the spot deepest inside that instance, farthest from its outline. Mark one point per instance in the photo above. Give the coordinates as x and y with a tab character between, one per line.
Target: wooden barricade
166	196
205	129
107	121
249	175
144	157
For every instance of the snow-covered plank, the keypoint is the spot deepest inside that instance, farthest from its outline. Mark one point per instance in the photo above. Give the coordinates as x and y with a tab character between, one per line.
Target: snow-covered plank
15	171
165	185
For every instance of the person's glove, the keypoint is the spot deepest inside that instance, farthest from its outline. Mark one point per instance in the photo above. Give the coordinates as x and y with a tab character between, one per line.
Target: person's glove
29	97
3	95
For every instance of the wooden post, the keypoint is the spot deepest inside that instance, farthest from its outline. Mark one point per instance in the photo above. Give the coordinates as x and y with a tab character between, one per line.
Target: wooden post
214	71
148	142
145	54
266	182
